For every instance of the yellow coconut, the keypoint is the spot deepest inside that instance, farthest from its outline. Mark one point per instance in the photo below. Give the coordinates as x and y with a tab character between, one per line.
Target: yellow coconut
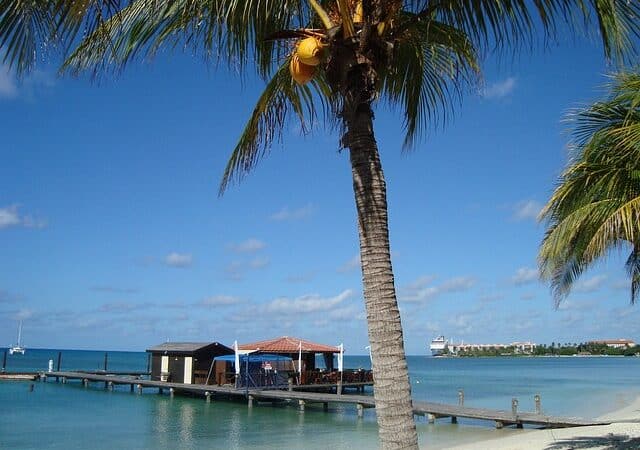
300	72
357	15
309	51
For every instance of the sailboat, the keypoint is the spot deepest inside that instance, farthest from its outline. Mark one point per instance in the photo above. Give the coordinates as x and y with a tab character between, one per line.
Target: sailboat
18	348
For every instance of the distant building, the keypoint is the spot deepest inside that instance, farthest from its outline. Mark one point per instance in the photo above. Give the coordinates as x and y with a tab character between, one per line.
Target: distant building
519	347
615	343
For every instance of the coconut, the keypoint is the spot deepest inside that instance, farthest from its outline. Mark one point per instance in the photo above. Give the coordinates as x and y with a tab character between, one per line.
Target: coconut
309	51
357	15
300	72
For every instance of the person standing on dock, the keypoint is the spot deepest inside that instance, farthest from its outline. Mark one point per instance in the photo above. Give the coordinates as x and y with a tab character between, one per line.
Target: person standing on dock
268	368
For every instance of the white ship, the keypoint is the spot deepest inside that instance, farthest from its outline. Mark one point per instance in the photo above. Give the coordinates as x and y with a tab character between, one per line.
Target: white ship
18	348
439	346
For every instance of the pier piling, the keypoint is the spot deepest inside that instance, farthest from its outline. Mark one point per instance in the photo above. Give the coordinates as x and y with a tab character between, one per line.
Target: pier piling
360	409
536	399
514	406
301	404
460	397
207	396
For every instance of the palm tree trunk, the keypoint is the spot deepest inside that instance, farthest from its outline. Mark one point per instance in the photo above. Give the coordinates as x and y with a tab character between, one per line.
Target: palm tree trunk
392	391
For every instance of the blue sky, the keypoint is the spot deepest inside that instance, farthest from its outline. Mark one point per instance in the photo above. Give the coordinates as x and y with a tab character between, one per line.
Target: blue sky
112	235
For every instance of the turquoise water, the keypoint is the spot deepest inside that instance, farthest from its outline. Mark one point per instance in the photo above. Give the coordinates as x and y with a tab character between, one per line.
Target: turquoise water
57	416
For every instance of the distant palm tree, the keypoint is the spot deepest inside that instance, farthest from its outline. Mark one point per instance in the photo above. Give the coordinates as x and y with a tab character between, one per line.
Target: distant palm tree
344	55
596	206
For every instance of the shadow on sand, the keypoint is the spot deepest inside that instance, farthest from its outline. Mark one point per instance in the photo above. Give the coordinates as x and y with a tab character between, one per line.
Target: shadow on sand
608	442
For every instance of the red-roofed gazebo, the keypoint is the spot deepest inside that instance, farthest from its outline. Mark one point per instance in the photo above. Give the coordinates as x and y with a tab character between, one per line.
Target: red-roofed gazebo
295	348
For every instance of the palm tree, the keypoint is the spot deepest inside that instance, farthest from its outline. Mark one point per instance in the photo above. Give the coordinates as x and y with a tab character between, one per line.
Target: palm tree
344	55
596	206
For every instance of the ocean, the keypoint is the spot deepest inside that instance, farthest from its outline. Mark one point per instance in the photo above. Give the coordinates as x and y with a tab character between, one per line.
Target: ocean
57	416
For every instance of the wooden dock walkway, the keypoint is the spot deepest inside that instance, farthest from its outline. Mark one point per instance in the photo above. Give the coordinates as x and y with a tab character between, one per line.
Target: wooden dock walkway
428	409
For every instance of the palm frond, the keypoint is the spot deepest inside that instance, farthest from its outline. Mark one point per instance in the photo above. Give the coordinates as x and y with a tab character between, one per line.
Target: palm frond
596	206
26	31
511	24
269	118
633	269
234	30
431	62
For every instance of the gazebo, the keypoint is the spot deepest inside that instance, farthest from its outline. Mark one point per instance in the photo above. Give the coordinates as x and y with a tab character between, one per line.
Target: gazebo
301	351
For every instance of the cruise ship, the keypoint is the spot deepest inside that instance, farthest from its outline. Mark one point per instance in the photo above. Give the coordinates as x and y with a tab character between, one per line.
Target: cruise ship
439	346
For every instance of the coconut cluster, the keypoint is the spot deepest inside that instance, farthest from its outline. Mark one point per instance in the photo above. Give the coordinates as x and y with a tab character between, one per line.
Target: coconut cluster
305	59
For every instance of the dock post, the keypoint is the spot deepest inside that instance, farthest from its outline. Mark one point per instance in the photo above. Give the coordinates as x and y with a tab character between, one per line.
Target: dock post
499	424
339	387
85	382
4	361
207	396
431	418
139	386
250	401
171	392
110	385
301	405
58	367
514	406
460	397
360	408
64	380
536	399
290	384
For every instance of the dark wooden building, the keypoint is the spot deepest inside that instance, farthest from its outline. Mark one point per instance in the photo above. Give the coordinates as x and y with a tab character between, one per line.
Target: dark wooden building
185	362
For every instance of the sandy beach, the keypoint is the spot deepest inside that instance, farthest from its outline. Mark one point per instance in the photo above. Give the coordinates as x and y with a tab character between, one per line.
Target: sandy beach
622	434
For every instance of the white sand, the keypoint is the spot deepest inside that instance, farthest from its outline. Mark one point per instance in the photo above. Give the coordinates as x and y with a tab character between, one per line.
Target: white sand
624	433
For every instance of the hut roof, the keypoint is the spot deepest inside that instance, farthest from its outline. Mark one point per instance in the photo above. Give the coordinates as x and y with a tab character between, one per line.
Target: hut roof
288	344
190	347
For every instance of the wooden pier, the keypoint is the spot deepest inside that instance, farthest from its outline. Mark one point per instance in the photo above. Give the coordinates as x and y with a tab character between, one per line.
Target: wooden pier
302	398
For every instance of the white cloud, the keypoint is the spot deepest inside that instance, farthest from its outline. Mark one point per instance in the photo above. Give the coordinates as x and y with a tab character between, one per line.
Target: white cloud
525	275
499	89
462	324
489	298
220	300
178	260
30	85
119	307
351	265
300	278
591	284
527	210
293	214
114	289
306	304
249	246
10	217
419	291
236	270
259	262
347	313
8	88
23	314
